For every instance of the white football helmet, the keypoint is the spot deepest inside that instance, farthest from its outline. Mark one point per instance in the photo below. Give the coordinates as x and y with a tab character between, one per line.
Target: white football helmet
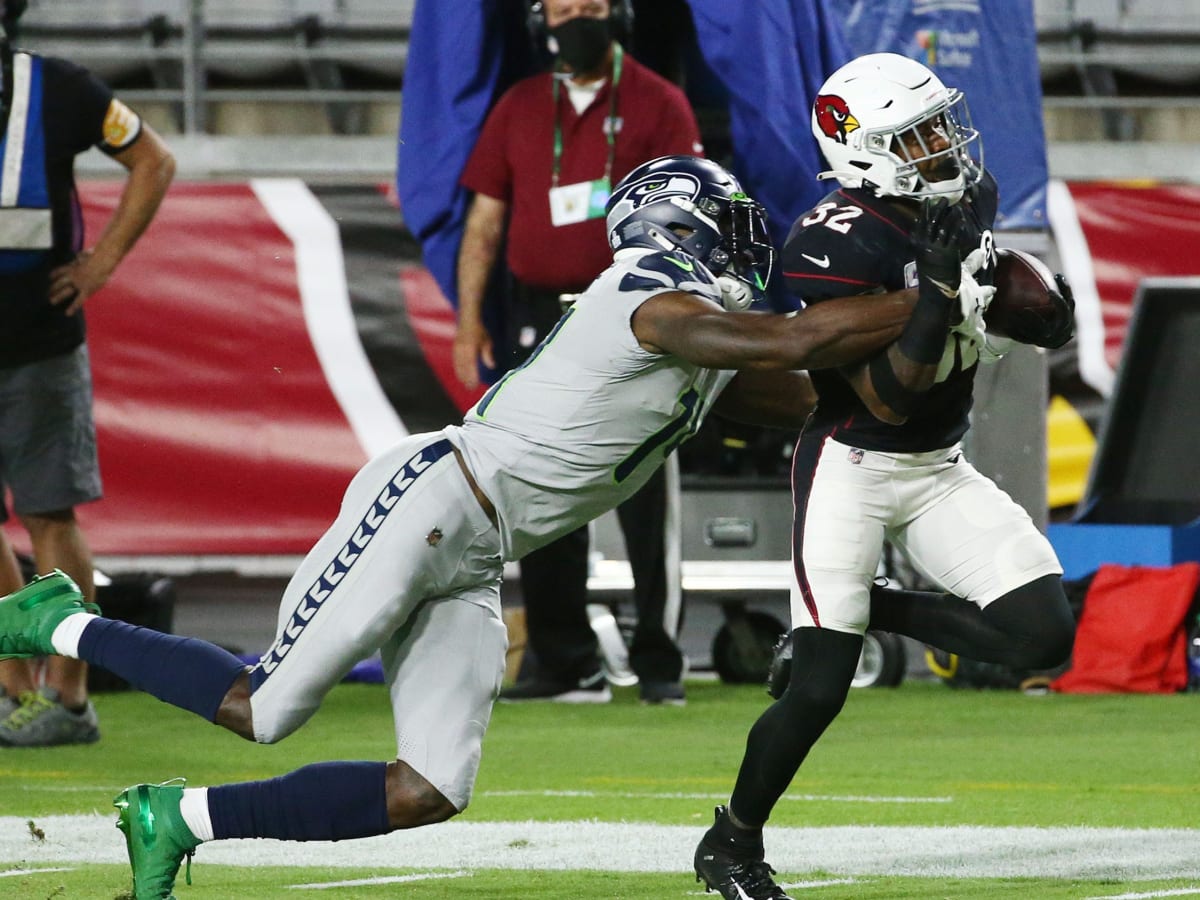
882	118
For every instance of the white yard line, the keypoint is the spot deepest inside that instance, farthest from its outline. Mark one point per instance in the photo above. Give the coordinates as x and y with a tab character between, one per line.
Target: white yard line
386	879
12	873
1174	892
959	852
636	795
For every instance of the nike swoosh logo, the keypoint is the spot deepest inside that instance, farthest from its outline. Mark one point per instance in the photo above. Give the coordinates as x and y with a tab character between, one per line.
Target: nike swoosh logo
820	263
686	266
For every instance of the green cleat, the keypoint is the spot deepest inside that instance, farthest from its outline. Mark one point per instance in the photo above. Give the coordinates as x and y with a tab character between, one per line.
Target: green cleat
156	837
29	616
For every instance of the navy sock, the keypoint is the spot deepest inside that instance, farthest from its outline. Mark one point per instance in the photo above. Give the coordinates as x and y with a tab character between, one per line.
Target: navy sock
330	801
185	672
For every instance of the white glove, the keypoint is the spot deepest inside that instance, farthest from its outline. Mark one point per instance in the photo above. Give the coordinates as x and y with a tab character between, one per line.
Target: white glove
735	293
974	299
974	261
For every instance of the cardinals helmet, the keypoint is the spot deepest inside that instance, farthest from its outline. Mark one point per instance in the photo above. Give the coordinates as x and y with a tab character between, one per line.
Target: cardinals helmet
692	204
888	122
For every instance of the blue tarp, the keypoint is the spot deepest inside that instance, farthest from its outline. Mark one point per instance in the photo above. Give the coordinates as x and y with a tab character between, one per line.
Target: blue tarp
992	57
769	59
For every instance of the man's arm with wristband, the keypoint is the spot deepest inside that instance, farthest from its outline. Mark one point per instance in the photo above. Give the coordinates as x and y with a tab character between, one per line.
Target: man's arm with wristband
893	381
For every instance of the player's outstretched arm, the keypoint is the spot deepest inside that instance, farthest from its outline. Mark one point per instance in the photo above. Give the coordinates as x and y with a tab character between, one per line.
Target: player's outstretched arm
833	333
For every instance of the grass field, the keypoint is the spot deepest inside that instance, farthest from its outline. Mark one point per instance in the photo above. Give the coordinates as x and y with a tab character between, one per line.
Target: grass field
918	792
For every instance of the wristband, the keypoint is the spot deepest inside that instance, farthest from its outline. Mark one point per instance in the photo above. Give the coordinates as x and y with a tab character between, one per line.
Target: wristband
888	387
924	337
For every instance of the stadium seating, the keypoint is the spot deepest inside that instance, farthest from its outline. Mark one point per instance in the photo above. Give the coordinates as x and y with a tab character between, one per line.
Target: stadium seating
1112	69
335	55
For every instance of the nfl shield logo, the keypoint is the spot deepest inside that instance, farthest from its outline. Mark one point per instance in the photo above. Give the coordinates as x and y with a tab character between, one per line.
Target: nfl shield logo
855	456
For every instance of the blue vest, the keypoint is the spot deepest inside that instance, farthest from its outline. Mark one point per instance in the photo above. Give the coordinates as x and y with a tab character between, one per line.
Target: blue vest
26	231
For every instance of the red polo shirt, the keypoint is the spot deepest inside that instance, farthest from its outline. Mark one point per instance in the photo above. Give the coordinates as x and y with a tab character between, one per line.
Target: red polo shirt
514	157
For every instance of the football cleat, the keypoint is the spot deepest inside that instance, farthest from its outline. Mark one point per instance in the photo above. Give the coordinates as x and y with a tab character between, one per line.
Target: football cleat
734	875
29	616
156	837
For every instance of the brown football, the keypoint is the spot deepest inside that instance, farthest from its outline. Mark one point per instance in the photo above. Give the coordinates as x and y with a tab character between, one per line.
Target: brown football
1023	282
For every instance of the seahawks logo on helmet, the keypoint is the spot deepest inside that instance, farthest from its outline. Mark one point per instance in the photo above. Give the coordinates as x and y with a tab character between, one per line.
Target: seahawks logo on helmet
655	189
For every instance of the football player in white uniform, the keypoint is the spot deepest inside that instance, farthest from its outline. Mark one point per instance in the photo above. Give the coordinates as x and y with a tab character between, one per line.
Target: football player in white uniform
880	459
413	562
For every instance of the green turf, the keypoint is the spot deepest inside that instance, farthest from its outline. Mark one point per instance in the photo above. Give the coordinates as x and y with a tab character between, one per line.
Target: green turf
229	883
1003	758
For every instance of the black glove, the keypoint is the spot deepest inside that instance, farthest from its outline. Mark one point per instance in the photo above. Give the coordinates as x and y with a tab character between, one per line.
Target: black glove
935	239
1051	328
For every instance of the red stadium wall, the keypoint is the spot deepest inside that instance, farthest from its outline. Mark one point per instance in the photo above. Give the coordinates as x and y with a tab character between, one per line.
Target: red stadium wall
1135	231
219	431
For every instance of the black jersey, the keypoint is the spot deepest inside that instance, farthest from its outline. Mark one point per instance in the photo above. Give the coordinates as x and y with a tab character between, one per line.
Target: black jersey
853	242
74	105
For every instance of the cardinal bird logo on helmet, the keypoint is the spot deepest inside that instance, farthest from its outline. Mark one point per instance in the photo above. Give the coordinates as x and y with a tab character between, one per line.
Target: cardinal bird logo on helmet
833	117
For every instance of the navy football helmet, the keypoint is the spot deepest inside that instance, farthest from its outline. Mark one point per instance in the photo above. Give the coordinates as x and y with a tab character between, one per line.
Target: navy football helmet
692	204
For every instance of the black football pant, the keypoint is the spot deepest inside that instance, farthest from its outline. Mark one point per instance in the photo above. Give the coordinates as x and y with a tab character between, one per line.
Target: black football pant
554	585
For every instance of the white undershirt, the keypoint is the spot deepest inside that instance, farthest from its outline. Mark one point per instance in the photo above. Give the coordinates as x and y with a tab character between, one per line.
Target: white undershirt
582	95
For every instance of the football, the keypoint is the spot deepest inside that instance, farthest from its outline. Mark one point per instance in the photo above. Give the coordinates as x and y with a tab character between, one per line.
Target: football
1023	284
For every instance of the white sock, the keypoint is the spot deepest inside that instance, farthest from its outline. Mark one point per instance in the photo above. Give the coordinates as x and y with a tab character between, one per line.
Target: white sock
66	636
193	808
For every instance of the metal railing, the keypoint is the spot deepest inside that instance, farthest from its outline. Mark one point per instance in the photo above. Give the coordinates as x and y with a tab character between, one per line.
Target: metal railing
192	54
176	59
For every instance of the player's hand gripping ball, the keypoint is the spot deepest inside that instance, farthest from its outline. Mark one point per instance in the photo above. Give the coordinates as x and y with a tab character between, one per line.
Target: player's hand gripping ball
1031	304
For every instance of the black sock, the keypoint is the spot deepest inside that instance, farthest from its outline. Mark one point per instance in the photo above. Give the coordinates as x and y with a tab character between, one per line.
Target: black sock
727	836
823	665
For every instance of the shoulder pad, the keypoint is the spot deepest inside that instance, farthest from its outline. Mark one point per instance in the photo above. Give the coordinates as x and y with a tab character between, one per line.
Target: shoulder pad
668	270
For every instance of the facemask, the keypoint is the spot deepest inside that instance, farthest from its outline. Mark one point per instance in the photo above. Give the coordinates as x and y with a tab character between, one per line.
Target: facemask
581	42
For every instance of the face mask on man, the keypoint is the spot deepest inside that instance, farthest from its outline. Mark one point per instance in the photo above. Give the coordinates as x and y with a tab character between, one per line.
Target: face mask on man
581	42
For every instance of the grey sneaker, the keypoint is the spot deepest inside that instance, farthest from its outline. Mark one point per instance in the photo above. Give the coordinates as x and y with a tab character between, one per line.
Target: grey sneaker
42	721
662	693
8	705
592	689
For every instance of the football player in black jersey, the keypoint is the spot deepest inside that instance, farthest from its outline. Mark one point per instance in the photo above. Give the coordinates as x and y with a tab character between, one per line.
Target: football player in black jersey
880	459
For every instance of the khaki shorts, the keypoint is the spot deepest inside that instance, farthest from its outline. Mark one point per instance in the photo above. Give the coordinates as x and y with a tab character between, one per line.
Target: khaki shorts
48	436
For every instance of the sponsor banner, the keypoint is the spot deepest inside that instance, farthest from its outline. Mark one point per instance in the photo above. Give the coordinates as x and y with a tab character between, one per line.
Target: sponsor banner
240	362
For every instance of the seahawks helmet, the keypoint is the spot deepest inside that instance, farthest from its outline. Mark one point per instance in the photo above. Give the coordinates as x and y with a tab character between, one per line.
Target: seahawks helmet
692	204
881	118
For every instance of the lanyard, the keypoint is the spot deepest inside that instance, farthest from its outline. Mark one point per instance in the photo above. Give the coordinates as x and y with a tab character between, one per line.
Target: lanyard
610	131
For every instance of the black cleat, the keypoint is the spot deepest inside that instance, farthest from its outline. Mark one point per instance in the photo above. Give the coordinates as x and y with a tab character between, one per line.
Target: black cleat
735	876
